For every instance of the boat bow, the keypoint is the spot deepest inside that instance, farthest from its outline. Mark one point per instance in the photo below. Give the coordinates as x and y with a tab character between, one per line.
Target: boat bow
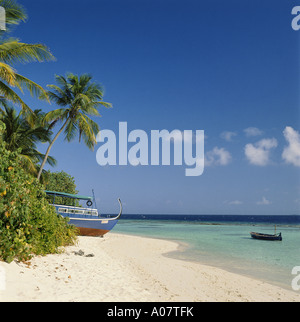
120	212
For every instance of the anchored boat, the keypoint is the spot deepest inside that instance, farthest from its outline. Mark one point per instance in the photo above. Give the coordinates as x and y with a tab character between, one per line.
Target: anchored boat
266	236
87	220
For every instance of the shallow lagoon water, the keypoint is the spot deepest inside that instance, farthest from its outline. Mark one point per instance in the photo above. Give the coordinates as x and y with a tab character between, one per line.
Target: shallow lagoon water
227	245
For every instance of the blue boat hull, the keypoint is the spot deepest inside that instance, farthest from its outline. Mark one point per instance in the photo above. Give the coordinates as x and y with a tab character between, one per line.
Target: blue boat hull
93	226
87	220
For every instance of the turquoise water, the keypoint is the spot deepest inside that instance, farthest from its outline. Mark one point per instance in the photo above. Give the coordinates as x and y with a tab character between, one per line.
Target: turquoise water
228	246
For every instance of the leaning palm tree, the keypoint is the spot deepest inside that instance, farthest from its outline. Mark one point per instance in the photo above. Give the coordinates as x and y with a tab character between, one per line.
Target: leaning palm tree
13	51
79	98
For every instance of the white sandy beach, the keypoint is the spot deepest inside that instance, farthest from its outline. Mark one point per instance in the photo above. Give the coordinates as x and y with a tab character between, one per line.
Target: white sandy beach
128	268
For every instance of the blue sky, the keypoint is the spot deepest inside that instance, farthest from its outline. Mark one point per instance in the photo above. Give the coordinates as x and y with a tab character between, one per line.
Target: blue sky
230	68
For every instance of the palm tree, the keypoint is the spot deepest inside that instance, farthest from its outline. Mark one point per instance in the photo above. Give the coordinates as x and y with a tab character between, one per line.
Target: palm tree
79	98
13	51
21	135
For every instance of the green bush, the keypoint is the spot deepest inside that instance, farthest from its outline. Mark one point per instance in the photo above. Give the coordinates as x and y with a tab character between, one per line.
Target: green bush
61	182
28	224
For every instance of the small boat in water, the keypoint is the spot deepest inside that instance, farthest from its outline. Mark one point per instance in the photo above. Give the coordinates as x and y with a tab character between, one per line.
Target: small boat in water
87	220
266	236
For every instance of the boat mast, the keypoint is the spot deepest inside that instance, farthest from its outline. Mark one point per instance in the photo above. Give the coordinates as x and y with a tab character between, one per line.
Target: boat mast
94	199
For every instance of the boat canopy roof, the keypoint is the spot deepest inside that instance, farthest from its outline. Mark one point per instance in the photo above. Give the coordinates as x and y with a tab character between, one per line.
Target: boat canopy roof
67	195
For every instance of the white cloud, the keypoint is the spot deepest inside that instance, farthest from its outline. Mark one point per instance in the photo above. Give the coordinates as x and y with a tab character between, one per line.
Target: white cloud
264	201
253	131
291	153
218	156
259	153
227	135
235	202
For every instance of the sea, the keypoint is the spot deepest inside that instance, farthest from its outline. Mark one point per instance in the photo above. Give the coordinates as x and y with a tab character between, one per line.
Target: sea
224	241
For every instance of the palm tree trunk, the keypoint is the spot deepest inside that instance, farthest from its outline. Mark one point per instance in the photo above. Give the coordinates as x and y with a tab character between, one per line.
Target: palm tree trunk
49	148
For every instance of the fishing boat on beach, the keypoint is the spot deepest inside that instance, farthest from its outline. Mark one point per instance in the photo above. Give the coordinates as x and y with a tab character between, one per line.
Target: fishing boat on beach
86	219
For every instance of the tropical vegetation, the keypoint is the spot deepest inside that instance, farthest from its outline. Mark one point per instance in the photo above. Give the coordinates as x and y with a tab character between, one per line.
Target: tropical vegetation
60	181
23	135
13	51
28	224
79	98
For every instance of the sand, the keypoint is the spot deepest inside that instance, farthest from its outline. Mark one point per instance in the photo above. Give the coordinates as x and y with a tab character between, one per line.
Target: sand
120	268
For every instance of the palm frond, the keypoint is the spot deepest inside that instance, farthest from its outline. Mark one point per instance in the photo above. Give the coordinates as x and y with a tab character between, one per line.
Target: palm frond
56	115
9	94
28	163
23	136
70	131
59	95
64	85
12	51
7	74
50	160
14	12
33	87
105	104
3	103
90	109
88	130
